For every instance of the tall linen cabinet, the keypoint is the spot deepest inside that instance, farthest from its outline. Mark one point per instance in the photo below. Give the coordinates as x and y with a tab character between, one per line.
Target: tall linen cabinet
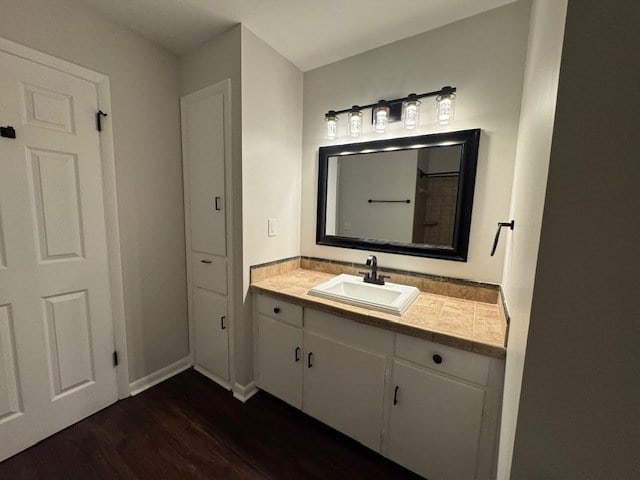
206	153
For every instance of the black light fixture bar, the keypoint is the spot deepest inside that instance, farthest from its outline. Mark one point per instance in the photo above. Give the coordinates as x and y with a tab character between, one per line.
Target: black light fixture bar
443	91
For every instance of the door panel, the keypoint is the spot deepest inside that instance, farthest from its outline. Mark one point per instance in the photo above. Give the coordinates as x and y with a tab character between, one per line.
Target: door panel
435	424
280	360
341	376
204	145
210	325
56	326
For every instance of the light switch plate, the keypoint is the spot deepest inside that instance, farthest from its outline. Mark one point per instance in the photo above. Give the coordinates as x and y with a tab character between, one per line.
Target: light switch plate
273	227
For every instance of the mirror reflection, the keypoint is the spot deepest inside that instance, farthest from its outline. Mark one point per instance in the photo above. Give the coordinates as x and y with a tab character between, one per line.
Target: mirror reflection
407	196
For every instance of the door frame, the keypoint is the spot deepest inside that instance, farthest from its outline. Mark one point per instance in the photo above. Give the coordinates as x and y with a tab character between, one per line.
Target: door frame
110	198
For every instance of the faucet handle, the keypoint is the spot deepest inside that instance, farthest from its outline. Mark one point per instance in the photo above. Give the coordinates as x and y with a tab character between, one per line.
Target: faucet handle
366	274
382	278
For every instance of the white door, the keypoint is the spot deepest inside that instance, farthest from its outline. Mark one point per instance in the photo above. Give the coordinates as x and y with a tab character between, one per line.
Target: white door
203	144
435	421
211	350
280	360
56	327
344	388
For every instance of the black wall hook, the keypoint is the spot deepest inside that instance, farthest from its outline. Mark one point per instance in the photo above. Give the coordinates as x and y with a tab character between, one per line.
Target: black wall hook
495	240
99	115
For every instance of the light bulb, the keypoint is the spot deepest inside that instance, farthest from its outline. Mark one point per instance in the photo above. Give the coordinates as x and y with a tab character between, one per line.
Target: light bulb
355	122
381	117
446	106
332	125
411	112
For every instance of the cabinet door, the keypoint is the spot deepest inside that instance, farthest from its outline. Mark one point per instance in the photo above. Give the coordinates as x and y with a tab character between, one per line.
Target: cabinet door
210	332
203	129
344	388
280	360
434	424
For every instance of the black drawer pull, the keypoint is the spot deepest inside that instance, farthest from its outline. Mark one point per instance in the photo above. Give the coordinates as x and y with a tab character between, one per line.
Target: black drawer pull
296	354
276	310
216	202
205	261
395	395
309	364
437	359
222	325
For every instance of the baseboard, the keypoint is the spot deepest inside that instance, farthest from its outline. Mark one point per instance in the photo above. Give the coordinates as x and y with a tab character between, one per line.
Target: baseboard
223	383
244	393
161	375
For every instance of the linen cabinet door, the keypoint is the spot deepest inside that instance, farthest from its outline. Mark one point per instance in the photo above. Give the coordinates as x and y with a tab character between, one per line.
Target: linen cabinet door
211	337
279	360
434	426
344	388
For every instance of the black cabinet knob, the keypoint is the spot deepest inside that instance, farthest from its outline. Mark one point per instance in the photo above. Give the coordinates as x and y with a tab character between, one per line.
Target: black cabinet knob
276	310
437	359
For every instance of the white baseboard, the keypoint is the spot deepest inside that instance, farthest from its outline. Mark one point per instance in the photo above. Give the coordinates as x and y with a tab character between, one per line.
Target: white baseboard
161	375
223	383
244	393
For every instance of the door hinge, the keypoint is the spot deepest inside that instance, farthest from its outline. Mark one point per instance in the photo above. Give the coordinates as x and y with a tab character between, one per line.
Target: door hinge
115	358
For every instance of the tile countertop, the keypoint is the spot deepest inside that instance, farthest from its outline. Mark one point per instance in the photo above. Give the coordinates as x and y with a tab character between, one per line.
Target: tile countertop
472	326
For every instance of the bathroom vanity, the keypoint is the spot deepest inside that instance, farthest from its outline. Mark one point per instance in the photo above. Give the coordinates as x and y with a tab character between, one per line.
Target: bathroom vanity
413	387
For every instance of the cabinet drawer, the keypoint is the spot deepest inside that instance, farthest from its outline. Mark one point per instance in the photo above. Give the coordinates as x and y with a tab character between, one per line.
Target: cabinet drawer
209	272
458	363
278	309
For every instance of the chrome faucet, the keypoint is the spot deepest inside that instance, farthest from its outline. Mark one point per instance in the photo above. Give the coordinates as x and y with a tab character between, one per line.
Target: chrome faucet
373	277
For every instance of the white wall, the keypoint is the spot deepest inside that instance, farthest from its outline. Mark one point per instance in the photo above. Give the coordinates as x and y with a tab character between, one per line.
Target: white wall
381	176
579	415
146	122
483	56
529	185
271	170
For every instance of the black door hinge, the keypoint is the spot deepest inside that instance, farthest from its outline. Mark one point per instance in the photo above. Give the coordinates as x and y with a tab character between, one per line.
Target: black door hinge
7	132
115	359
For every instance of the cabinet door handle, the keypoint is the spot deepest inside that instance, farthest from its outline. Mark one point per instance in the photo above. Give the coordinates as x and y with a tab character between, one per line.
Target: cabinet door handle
216	202
395	395
205	261
222	325
296	354
309	364
276	310
437	359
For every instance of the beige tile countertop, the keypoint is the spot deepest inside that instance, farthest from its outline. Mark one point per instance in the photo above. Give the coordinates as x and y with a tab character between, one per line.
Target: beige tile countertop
468	325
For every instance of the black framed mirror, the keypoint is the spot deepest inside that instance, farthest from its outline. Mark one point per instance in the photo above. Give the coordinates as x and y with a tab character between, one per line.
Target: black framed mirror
410	195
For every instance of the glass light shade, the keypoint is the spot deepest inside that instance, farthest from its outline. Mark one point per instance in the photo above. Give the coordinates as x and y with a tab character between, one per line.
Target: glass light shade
446	108
355	122
332	125
381	118
411	112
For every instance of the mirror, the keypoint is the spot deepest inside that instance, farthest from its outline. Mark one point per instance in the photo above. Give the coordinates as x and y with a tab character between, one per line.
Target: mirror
409	195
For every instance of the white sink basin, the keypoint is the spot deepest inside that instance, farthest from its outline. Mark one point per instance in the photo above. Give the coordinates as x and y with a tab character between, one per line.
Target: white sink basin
389	298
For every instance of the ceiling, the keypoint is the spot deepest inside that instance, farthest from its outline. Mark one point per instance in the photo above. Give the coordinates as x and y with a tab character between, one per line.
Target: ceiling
310	33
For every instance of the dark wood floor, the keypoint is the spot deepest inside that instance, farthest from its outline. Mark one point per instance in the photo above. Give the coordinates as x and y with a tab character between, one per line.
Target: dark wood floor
189	428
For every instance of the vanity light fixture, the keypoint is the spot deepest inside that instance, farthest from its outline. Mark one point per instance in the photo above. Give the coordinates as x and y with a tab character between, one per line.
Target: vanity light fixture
332	124
355	121
381	116
411	112
406	109
446	106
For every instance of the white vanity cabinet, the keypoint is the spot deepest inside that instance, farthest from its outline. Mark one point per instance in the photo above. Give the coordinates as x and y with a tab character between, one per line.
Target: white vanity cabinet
344	375
279	349
431	408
